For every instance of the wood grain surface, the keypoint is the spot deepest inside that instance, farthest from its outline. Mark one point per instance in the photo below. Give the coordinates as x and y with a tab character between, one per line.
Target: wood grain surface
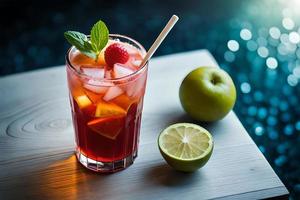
37	142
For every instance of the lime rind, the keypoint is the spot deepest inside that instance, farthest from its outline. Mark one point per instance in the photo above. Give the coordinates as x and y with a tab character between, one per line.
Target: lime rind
199	142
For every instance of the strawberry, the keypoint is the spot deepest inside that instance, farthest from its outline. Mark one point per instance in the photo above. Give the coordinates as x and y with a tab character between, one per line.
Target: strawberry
115	53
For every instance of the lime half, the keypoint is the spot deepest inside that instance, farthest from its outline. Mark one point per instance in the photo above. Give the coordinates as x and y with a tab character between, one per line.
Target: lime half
185	146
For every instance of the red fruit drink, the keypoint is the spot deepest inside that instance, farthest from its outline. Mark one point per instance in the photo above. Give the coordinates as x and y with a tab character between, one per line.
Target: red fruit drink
106	102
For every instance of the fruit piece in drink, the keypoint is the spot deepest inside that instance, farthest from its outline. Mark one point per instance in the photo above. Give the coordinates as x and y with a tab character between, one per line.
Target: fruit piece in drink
108	127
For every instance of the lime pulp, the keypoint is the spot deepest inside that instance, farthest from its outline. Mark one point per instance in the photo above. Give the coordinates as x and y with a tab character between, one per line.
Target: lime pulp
185	146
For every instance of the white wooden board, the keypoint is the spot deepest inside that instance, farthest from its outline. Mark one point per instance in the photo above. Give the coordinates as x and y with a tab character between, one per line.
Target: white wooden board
37	141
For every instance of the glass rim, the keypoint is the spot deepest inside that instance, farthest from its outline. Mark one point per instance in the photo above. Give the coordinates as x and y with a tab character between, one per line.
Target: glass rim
121	79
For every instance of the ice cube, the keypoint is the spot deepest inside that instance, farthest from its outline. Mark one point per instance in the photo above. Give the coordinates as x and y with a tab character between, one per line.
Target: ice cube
121	70
112	93
134	88
136	62
97	86
93	72
131	49
108	74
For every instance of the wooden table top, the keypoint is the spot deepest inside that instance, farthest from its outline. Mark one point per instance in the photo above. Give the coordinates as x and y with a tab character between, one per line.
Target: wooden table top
37	142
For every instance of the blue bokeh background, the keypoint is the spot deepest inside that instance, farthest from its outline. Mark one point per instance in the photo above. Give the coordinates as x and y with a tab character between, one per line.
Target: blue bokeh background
257	42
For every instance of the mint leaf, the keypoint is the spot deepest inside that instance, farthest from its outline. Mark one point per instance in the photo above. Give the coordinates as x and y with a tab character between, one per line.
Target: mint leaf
98	40
88	46
99	35
76	38
89	50
80	41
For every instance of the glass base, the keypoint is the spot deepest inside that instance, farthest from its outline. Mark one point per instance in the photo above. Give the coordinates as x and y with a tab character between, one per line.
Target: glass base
105	167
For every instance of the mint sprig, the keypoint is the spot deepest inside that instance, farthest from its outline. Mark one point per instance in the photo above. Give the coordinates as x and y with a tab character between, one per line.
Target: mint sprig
92	47
99	35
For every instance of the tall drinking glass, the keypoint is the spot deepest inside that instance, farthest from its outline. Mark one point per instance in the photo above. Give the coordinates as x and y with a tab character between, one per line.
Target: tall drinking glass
106	112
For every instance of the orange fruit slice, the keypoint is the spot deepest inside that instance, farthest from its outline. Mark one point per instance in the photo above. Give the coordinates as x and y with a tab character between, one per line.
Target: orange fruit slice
108	127
105	109
93	96
83	101
79	59
123	101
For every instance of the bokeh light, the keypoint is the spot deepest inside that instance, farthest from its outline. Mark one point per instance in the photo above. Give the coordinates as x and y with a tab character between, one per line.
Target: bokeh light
272	63
294	37
275	32
245	87
245	34
233	45
288	23
263	52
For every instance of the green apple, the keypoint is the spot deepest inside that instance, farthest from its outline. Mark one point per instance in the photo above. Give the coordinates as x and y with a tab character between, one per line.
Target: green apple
207	94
